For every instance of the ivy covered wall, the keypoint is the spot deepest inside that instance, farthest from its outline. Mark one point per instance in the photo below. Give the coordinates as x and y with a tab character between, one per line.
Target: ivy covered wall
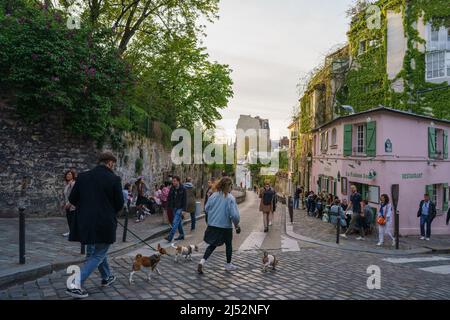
367	84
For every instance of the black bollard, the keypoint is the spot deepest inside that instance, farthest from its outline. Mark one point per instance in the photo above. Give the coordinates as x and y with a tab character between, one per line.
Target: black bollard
21	235
338	228
83	249
397	231
125	227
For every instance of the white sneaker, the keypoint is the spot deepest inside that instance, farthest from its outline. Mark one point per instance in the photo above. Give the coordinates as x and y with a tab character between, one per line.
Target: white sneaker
230	267
360	238
65	234
379	244
344	235
428	239
422	238
393	243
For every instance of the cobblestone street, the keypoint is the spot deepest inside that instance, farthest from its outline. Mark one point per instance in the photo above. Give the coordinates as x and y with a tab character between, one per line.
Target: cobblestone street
305	271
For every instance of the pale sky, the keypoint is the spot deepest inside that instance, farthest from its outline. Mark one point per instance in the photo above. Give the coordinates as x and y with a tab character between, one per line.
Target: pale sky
269	44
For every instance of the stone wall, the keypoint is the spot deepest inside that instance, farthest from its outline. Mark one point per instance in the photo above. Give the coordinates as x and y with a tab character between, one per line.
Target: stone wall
33	158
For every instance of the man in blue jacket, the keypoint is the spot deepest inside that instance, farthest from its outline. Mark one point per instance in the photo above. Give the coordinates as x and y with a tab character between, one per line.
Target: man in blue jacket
177	202
426	213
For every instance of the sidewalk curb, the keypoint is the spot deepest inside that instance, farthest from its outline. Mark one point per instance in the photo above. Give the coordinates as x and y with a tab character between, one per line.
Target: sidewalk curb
25	273
290	232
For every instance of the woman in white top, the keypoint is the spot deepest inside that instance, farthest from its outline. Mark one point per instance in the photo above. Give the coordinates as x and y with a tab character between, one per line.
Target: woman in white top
385	212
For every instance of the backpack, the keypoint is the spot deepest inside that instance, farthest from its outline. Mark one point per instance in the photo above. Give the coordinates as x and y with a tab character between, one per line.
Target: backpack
267	197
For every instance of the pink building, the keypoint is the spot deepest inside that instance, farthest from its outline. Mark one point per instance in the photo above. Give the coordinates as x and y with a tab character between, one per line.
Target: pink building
381	147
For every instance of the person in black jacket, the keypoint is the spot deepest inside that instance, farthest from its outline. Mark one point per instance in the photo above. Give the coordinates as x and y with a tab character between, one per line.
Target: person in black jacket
177	202
426	212
98	197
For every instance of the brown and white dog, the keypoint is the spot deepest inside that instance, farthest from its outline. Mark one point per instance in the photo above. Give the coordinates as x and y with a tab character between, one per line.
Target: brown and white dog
184	251
147	262
269	261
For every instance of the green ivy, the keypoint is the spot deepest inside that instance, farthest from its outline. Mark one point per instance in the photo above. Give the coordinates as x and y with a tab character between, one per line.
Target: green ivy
368	85
49	70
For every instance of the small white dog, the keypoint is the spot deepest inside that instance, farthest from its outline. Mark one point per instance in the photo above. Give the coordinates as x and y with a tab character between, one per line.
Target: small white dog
184	251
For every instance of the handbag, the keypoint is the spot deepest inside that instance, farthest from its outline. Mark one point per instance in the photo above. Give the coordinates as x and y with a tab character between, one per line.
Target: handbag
381	220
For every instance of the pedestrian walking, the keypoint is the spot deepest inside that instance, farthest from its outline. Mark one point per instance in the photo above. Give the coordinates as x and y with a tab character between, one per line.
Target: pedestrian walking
426	213
209	192
266	205
69	179
368	216
223	214
98	197
177	202
384	220
297	196
357	220
190	201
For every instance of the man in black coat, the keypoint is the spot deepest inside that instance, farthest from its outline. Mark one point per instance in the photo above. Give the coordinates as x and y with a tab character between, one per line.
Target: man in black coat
177	202
426	212
98	197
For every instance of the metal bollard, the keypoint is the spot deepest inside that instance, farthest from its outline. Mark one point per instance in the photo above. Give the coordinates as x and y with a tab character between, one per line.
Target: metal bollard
338	228
83	249
21	235
125	226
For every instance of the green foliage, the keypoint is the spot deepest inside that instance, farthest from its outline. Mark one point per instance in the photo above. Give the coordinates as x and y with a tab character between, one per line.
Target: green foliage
284	160
51	69
138	166
147	68
368	86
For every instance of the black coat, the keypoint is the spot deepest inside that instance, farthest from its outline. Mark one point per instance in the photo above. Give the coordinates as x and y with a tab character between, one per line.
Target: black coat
431	209
177	198
98	197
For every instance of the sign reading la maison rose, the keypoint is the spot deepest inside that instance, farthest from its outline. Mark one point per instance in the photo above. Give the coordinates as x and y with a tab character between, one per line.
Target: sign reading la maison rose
358	175
412	175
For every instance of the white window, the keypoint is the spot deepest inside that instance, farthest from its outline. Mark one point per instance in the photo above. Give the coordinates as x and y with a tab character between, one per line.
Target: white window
436	65
362	47
334	137
434	35
324	141
360	138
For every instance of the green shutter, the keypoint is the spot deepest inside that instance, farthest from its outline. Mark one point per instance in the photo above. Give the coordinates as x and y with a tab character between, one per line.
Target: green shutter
371	139
446	194
429	190
431	143
348	128
446	144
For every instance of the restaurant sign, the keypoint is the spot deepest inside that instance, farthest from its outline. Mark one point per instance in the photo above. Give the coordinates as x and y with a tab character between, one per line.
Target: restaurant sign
412	175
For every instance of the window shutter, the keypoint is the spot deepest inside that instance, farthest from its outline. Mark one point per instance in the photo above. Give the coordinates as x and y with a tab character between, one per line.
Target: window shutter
446	195
429	190
371	139
446	144
432	143
348	139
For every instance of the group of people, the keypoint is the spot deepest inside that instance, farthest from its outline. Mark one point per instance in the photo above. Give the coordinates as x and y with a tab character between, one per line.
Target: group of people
357	213
94	200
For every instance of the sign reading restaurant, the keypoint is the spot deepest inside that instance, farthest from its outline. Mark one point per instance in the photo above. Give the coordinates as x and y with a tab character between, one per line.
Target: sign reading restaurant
412	175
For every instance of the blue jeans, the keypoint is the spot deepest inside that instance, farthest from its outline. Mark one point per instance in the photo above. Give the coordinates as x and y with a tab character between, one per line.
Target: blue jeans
296	202
96	258
177	224
425	219
193	220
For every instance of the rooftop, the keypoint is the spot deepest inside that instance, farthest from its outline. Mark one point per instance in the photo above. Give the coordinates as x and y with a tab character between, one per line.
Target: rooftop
383	109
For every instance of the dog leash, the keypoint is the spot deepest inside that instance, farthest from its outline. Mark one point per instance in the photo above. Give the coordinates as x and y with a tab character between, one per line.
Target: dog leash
141	240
